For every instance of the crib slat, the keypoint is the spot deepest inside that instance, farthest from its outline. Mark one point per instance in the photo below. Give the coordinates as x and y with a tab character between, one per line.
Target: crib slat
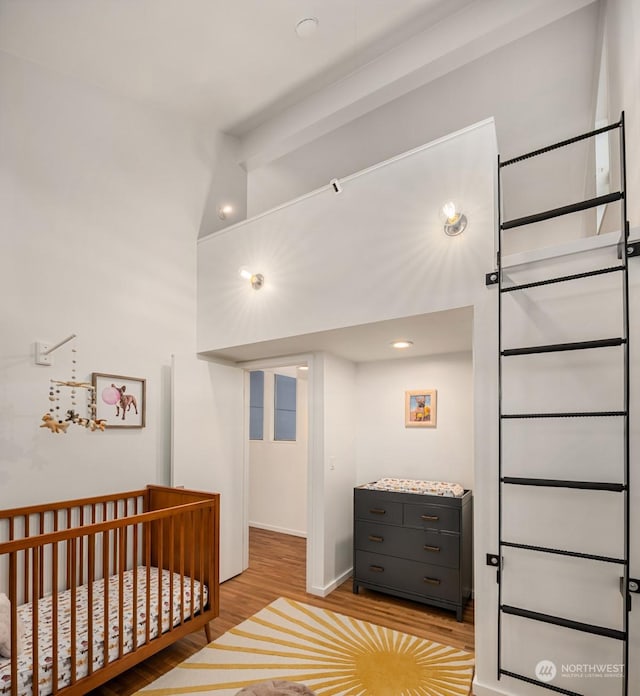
201	547
54	611
160	559
135	587
182	607
81	573
26	561
91	572
121	591
74	618
147	560
105	591
192	561
41	585
13	598
172	539
35	622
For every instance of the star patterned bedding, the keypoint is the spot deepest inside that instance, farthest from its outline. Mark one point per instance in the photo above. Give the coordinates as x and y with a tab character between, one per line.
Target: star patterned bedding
442	488
181	605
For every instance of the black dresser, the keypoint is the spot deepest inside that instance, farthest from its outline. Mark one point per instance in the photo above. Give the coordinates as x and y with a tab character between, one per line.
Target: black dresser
414	546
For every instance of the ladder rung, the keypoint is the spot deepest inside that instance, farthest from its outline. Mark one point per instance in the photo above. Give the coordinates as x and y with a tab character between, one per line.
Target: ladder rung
560	347
562	279
562	143
558	483
536	682
563	552
565	623
585	414
564	210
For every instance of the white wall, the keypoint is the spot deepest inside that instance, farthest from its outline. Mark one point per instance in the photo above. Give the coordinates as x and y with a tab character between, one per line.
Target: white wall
622	27
207	446
385	447
228	185
376	251
278	470
339	468
101	204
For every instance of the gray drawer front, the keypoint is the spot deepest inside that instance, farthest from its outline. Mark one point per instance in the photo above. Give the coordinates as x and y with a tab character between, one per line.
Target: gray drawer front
432	517
372	507
414	544
425	580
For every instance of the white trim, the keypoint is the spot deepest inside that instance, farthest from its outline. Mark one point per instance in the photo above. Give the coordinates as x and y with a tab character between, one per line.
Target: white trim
328	589
280	530
351	177
483	690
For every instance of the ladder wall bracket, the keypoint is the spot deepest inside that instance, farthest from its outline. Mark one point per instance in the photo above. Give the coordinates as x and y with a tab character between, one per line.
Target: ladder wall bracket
633	249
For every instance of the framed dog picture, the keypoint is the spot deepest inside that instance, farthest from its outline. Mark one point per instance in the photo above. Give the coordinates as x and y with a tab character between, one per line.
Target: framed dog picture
120	400
420	408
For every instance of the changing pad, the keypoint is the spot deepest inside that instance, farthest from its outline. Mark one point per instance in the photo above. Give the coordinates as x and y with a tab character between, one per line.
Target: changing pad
442	488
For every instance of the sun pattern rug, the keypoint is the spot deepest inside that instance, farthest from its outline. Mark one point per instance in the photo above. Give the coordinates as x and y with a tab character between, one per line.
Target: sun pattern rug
333	654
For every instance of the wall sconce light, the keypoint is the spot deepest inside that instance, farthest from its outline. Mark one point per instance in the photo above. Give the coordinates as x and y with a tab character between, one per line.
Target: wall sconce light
256	279
455	222
225	210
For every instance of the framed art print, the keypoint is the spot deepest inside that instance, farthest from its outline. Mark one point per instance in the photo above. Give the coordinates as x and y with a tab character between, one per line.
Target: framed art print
120	400
420	408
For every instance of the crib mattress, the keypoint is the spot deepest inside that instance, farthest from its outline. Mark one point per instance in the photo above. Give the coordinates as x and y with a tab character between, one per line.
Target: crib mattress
131	616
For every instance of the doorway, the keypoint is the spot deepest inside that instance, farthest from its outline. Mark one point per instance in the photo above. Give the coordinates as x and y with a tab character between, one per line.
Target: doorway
276	408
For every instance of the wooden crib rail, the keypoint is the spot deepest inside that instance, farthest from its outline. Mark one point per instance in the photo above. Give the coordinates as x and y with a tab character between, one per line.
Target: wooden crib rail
182	539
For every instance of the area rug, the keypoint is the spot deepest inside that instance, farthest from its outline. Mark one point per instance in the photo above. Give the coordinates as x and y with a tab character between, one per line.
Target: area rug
333	654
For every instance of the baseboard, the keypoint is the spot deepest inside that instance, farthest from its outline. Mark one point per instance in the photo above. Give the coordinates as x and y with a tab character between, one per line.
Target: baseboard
280	530
484	690
328	589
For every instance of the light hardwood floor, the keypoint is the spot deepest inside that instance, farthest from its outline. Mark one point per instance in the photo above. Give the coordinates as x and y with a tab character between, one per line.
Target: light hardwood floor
277	569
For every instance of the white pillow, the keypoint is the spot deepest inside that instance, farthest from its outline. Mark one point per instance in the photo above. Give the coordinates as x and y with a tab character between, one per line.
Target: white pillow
5	627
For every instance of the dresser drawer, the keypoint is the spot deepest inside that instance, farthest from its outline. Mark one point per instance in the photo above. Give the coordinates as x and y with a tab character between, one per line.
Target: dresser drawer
431	517
414	544
369	505
422	579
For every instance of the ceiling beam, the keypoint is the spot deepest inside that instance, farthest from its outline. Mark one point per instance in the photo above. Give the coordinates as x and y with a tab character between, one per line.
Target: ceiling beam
475	30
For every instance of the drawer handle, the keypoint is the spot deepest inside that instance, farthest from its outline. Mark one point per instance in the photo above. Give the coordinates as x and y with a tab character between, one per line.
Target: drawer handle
378	511
377	539
429	518
377	569
435	549
432	581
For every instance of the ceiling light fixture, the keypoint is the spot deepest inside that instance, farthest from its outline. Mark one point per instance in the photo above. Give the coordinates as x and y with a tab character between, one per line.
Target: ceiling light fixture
402	344
303	367
307	27
225	210
255	279
455	222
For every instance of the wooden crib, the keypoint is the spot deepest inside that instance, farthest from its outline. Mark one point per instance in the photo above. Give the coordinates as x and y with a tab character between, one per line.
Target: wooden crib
98	584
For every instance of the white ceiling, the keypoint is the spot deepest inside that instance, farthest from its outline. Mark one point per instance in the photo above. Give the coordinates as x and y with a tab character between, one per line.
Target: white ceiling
432	334
229	62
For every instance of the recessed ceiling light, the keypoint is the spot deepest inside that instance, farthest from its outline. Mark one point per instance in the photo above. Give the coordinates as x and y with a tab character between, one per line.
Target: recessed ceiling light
402	344
306	27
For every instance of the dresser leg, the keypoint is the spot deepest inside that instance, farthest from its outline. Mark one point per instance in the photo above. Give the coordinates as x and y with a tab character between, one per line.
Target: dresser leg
356	588
459	612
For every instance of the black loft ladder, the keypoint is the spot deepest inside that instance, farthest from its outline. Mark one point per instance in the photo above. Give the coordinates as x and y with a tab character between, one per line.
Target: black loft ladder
619	565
